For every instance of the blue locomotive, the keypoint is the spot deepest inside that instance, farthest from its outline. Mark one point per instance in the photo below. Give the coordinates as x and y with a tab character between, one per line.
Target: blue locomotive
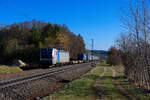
53	56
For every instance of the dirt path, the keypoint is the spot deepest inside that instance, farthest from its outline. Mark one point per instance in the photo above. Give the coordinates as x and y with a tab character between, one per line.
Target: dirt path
105	70
97	82
120	88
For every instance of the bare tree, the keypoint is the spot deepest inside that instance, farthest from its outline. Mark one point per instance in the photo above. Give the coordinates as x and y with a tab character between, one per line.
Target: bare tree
134	44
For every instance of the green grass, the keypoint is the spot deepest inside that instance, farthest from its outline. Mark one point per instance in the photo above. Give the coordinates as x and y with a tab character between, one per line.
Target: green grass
7	69
83	88
104	64
131	88
108	89
80	89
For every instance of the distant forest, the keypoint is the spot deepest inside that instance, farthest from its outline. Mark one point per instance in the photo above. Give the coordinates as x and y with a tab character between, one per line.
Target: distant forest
100	53
24	41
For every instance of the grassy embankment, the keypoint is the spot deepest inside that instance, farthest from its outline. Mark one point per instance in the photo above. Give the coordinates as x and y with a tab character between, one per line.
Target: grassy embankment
8	69
131	88
80	89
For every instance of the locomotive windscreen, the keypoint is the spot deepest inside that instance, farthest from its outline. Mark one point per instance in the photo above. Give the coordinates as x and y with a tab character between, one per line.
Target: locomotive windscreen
46	53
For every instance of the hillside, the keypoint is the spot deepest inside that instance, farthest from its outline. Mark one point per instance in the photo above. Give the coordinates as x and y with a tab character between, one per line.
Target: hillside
99	52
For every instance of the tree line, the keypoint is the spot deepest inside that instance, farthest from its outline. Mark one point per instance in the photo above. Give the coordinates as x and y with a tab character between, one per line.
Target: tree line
24	41
134	43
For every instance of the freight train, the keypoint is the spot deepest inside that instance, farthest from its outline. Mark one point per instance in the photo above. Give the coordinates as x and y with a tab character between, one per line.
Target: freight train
52	56
86	57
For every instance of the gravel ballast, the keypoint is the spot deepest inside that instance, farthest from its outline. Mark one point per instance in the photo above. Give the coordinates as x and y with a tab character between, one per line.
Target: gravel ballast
40	87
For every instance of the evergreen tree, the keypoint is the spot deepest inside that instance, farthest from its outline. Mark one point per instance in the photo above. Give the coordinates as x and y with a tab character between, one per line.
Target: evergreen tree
47	31
35	36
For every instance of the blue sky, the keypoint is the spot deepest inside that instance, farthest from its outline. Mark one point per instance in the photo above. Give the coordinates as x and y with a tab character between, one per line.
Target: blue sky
93	19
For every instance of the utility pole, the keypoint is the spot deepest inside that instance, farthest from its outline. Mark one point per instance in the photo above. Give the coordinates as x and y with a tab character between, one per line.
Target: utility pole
92	48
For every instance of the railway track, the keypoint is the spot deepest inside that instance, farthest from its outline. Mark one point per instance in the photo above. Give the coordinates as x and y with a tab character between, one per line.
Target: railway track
6	83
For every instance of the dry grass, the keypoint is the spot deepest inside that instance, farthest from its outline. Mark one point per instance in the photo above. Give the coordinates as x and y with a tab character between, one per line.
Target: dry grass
130	87
8	69
119	68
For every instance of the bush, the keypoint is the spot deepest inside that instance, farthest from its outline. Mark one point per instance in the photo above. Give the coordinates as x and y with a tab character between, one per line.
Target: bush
113	57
